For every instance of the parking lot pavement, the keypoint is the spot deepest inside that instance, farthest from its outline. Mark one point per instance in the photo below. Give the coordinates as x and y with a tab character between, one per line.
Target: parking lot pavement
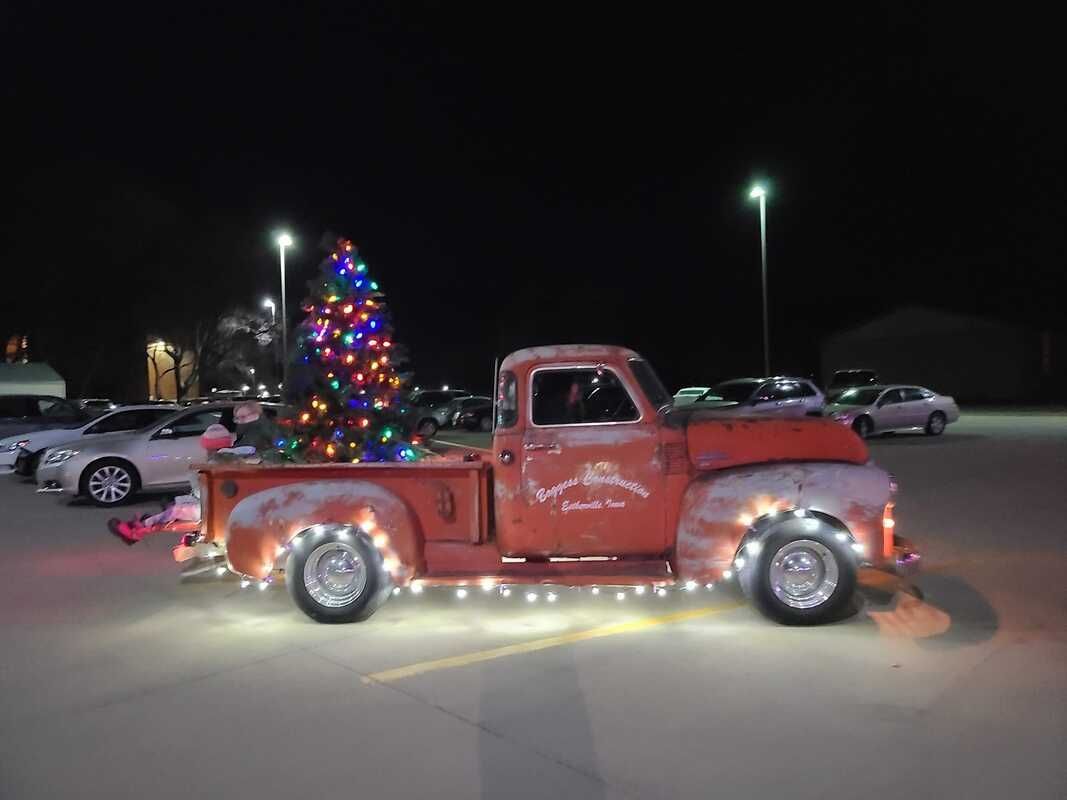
117	679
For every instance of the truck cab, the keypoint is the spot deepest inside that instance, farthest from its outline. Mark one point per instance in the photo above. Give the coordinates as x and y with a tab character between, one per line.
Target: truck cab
579	454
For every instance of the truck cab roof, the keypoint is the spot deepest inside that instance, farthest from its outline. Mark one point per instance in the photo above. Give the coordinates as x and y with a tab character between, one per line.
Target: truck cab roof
566	353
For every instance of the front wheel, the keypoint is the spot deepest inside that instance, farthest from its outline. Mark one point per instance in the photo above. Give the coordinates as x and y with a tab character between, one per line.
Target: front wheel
802	578
109	482
427	428
935	426
336	575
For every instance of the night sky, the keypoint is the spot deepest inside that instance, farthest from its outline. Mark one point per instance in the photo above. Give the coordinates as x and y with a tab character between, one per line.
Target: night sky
527	174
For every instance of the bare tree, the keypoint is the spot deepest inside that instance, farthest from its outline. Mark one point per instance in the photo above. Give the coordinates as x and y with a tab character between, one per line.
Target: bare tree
198	347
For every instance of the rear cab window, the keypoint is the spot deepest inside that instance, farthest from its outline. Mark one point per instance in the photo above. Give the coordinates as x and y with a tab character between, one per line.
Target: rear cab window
507	400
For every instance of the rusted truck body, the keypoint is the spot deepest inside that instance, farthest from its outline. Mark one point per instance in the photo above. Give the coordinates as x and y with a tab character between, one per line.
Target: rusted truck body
593	479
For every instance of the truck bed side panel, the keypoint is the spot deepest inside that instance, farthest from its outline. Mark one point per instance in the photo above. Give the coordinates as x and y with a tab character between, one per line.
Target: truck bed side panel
256	509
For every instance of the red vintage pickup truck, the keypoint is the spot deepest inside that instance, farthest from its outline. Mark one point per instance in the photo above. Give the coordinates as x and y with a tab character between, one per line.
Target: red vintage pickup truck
593	479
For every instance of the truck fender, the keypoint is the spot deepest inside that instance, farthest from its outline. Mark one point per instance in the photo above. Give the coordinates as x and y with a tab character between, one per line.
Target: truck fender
720	508
262	525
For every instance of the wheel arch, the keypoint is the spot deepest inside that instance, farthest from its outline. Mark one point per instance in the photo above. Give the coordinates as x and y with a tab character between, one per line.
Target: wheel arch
800	521
261	526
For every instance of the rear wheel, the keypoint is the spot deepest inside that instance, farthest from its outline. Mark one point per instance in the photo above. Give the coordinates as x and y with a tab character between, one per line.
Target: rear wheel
485	424
802	578
863	427
427	427
336	575
109	482
935	426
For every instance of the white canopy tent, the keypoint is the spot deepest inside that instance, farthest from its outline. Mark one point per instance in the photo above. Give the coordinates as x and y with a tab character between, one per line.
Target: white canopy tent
31	379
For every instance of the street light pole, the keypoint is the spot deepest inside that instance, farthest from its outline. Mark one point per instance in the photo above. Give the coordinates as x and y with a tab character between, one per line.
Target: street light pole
284	241
761	193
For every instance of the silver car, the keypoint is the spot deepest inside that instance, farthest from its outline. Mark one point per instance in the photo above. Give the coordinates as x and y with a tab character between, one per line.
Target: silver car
22	452
112	467
875	409
777	396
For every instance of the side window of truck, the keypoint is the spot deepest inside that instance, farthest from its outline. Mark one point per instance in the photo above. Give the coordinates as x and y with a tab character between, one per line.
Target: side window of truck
507	401
580	397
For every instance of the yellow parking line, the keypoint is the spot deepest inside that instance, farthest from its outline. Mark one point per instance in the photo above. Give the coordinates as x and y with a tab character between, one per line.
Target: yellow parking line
543	644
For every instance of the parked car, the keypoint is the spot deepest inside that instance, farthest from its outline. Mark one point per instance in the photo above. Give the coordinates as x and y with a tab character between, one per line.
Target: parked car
689	394
473	413
110	469
846	378
22	413
876	409
778	396
22	452
432	409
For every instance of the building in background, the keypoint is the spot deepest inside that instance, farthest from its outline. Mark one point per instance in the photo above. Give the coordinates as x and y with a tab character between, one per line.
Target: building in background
975	359
36	378
163	376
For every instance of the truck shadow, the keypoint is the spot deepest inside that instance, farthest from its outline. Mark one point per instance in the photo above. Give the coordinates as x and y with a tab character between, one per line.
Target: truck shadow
947	613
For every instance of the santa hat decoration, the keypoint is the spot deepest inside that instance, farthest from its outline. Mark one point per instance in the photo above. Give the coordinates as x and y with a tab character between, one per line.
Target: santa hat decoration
215	438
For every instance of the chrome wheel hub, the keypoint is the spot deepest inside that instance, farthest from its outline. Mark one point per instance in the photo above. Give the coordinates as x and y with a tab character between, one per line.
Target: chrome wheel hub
804	573
110	484
335	575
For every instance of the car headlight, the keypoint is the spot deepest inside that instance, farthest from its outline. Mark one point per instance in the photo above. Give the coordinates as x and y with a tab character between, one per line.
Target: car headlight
59	456
16	445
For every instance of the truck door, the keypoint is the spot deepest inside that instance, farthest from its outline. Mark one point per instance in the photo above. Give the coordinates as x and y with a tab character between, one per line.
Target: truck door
591	483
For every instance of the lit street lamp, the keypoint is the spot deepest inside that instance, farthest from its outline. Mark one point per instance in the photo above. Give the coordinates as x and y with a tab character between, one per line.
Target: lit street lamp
268	303
284	240
761	193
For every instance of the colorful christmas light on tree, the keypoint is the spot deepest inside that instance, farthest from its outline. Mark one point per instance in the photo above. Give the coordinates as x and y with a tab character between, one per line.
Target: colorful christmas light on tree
347	380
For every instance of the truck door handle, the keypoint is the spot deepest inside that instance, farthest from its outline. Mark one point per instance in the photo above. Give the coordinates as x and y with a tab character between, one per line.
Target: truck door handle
541	446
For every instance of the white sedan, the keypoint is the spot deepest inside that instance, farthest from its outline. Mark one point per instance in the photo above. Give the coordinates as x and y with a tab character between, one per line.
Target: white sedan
21	452
875	409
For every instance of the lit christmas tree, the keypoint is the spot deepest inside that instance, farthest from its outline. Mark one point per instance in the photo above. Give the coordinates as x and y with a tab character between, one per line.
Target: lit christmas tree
345	378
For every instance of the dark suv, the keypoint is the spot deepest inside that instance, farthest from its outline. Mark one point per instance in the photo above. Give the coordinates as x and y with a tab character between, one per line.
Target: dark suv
21	413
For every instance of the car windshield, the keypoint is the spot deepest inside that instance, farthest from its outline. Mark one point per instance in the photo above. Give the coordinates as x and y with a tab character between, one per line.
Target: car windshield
650	383
734	391
855	397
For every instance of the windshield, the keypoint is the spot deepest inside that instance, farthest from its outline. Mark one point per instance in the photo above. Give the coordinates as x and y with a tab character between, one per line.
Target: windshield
855	397
650	383
734	391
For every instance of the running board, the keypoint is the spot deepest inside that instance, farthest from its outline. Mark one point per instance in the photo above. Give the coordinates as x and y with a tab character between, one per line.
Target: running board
571	573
